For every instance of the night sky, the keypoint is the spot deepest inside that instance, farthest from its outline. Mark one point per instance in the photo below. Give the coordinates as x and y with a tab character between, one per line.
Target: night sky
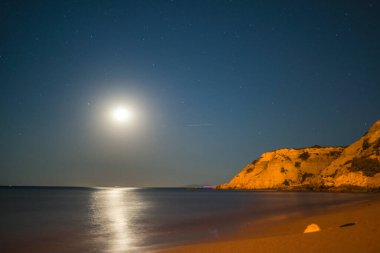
212	85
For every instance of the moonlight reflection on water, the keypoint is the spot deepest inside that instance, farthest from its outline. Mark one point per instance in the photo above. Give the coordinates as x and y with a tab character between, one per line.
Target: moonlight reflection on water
113	218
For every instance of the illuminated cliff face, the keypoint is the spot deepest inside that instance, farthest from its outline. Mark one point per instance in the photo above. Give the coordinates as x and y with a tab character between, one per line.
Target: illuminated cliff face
284	167
359	163
317	167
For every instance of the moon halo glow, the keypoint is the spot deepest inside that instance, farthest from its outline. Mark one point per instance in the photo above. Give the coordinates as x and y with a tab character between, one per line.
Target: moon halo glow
121	115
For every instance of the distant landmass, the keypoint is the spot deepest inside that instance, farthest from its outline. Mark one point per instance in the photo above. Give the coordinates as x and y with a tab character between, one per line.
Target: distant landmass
352	168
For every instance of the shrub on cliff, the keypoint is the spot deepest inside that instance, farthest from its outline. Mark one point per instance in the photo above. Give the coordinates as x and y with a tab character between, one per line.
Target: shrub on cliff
365	144
335	153
377	144
255	161
304	156
306	175
369	166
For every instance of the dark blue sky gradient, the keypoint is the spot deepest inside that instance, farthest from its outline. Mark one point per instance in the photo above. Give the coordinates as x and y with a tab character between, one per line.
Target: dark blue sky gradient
216	83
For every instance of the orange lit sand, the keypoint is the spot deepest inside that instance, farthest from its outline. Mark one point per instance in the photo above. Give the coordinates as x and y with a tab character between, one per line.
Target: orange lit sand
364	236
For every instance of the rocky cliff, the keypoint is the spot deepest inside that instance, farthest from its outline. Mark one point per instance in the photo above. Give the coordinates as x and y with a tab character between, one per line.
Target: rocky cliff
352	167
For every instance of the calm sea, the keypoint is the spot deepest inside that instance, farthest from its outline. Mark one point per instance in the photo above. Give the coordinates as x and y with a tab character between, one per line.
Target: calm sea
139	219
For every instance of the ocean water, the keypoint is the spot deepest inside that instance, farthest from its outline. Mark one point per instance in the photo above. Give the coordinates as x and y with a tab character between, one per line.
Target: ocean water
43	219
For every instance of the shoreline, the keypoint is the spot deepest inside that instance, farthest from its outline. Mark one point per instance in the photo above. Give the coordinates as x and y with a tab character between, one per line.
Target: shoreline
361	233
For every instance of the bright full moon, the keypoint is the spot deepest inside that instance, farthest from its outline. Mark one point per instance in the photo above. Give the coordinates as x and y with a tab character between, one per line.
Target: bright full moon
121	114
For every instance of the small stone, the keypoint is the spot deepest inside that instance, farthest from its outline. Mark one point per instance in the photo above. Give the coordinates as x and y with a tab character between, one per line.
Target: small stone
311	228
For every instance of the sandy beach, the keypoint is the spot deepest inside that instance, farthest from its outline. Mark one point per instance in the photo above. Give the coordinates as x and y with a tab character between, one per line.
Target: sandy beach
361	233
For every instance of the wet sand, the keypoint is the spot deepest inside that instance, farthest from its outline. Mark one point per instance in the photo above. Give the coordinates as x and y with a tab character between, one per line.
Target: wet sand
361	233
